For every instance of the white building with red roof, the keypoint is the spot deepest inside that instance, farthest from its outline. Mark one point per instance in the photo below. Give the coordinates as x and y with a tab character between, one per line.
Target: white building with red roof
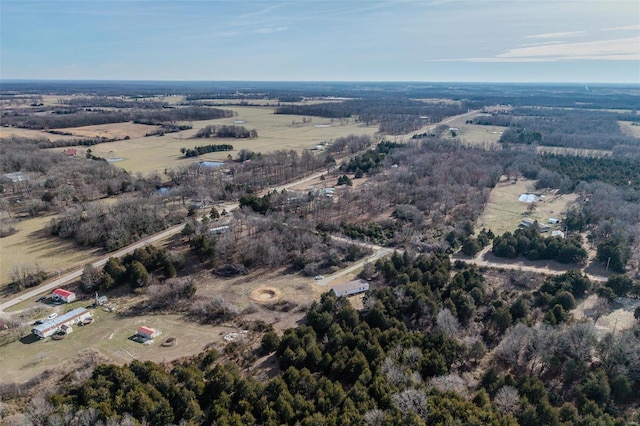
63	295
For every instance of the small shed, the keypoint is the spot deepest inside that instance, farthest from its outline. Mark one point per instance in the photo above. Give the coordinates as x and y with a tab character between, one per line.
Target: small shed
558	234
527	223
553	221
63	295
350	288
147	332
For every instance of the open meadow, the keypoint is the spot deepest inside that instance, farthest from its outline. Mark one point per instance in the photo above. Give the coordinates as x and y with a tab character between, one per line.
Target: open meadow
275	132
504	212
32	244
474	134
628	128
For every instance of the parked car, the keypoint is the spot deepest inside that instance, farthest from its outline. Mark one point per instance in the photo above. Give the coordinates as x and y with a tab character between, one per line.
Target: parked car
52	316
318	277
37	322
41	299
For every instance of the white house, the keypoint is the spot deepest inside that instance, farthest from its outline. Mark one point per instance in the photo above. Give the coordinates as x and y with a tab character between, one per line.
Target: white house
64	296
351	287
147	332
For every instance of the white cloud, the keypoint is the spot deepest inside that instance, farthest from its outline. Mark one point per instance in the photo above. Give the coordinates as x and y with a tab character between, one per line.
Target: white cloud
635	27
270	30
622	49
558	35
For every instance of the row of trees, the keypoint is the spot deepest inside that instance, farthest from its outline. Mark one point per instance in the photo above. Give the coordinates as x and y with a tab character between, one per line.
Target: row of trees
226	131
199	150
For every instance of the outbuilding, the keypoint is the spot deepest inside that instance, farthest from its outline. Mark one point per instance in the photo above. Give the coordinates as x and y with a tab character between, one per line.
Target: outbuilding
64	296
350	288
147	332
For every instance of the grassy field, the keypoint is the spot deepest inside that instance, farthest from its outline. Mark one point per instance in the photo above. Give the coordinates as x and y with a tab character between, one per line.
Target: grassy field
504	212
474	134
33	244
629	129
6	132
275	132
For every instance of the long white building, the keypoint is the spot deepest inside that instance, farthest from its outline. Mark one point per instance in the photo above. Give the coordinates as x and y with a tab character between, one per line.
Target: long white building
52	326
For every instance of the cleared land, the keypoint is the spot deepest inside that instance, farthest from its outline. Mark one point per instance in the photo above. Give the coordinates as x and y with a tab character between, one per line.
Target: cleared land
504	212
109	334
628	128
474	134
112	131
275	132
32	243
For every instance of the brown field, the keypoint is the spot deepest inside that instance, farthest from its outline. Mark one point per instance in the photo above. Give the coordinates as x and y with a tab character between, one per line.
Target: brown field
33	244
6	132
112	130
109	334
474	134
275	132
628	129
504	212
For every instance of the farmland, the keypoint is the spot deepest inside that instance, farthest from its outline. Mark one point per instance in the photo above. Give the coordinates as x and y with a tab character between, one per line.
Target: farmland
275	132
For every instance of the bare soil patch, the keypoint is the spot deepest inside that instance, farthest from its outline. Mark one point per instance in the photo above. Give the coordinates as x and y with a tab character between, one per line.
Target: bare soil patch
265	294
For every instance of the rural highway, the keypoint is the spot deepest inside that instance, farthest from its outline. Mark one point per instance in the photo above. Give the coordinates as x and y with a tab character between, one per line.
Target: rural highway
77	273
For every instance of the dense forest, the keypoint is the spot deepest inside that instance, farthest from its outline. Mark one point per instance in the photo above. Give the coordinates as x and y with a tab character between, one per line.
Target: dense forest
410	357
573	128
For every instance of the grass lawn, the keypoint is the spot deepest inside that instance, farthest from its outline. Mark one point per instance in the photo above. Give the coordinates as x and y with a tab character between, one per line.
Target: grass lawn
504	212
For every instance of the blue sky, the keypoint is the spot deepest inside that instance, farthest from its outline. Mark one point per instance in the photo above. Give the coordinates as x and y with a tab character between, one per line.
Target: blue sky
439	40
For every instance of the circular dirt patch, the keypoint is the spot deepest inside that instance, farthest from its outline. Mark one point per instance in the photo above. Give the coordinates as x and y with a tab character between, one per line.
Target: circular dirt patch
265	294
171	341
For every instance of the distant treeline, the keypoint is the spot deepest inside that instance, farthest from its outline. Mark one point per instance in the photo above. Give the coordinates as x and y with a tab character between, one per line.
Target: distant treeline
393	115
113	102
199	150
561	127
225	131
89	118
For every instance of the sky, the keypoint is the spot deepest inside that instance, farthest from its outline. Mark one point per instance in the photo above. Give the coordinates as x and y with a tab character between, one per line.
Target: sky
321	40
